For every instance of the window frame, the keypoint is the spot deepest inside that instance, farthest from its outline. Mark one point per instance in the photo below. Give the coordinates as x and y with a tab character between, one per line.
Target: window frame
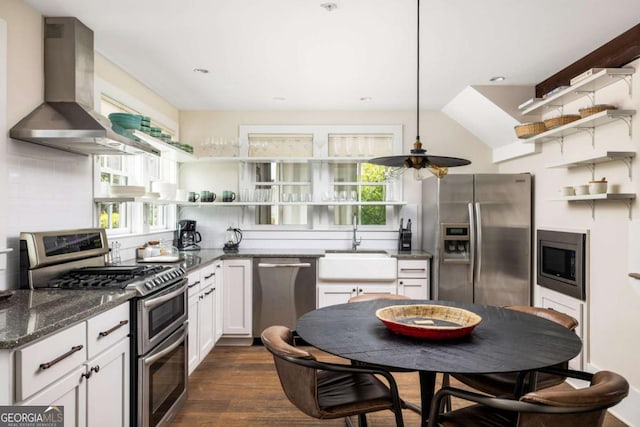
137	166
319	213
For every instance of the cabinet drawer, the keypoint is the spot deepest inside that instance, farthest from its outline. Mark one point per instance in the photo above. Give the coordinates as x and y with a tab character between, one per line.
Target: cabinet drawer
43	362
194	283
106	329
413	268
208	276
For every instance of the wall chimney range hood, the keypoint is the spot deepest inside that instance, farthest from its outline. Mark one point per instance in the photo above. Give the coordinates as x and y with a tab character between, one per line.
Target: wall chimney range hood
66	119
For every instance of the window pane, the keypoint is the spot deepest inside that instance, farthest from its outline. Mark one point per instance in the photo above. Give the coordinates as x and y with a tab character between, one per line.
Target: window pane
111	215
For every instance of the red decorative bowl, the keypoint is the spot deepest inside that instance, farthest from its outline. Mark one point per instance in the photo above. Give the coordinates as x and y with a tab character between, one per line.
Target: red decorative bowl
436	322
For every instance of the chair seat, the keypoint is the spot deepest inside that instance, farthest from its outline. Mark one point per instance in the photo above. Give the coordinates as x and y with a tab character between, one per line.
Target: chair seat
342	394
504	383
477	416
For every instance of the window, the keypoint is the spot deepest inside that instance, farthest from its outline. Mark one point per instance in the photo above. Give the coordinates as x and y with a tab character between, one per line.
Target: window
316	177
124	217
113	170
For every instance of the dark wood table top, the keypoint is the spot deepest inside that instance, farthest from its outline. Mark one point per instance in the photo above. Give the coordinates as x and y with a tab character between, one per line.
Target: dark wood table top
505	340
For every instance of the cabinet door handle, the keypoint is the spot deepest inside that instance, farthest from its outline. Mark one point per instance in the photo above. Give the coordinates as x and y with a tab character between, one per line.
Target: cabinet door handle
283	265
413	269
193	284
635	276
209	276
47	365
109	331
208	292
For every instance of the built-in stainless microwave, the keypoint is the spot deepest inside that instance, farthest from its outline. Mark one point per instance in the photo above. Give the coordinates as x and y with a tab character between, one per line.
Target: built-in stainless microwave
561	262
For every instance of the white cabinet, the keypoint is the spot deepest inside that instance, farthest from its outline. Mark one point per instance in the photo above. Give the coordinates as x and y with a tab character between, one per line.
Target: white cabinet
108	387
84	368
201	284
574	308
237	298
218	291
70	391
413	278
339	293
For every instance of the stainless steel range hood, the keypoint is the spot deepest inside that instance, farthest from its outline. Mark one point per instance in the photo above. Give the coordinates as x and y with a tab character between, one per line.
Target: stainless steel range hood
66	119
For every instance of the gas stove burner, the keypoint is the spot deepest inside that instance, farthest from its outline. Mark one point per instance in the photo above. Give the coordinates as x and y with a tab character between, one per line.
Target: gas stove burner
143	278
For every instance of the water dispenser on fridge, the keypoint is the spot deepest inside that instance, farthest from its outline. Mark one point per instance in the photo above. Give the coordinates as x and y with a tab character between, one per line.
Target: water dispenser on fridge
455	243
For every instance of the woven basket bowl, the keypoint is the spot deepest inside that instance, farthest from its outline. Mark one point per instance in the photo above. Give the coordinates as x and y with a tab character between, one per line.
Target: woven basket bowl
561	120
527	130
585	112
415	321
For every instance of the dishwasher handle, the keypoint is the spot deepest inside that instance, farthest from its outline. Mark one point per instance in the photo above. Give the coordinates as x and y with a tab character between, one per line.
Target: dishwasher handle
292	264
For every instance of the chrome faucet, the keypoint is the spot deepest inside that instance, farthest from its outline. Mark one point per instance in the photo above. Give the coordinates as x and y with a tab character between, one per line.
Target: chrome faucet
355	242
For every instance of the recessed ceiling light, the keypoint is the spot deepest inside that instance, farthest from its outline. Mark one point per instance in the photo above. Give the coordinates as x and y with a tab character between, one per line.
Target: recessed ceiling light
497	79
201	70
279	98
329	7
366	99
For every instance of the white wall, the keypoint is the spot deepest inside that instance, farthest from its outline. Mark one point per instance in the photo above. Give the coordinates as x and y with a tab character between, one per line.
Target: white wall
614	305
45	189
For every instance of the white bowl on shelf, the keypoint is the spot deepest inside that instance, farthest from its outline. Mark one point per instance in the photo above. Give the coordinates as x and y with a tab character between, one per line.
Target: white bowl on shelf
597	187
581	190
167	190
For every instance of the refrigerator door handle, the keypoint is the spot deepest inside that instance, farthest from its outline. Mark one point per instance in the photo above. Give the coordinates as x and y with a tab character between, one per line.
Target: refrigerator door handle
472	244
479	240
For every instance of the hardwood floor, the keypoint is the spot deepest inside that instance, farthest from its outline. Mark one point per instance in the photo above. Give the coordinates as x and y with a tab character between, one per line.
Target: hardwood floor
238	386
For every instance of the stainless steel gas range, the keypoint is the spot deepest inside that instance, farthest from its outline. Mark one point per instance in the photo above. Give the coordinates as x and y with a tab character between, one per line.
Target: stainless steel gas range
75	259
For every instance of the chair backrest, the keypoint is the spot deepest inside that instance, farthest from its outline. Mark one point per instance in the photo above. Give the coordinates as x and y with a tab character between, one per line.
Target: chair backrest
370	297
549	314
606	390
299	383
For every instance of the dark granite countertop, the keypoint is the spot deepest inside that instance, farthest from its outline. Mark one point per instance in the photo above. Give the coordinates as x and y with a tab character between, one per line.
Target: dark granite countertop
28	315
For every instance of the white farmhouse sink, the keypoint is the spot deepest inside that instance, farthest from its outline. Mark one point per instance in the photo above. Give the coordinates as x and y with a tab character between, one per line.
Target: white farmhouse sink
357	266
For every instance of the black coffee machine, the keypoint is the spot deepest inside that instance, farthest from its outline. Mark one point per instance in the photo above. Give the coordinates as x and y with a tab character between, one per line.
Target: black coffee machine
186	236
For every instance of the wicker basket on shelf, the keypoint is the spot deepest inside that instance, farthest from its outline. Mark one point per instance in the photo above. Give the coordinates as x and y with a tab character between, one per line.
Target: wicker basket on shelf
527	130
585	112
561	120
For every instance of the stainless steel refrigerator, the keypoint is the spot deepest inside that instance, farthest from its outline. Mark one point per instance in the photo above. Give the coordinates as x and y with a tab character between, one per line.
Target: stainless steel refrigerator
478	228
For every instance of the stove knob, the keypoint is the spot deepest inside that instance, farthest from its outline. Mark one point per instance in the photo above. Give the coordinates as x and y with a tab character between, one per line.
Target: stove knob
157	281
148	285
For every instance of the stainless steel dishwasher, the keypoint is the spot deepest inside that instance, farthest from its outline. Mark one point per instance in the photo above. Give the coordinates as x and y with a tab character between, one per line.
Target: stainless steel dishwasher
283	290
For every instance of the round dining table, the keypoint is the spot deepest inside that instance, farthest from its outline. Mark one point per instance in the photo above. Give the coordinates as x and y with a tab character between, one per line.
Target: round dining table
504	341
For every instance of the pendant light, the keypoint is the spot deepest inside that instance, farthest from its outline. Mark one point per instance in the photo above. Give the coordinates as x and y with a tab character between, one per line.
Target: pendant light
418	159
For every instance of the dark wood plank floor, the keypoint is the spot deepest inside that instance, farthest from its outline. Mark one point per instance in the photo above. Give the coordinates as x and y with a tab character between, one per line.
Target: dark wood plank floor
238	386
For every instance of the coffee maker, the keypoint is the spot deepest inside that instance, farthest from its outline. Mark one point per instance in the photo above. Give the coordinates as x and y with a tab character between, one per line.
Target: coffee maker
186	236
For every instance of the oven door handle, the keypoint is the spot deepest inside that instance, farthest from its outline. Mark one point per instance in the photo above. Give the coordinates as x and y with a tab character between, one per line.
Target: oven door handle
157	301
151	359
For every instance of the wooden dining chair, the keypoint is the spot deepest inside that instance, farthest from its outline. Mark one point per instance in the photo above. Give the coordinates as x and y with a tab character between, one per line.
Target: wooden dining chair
585	407
514	383
329	390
